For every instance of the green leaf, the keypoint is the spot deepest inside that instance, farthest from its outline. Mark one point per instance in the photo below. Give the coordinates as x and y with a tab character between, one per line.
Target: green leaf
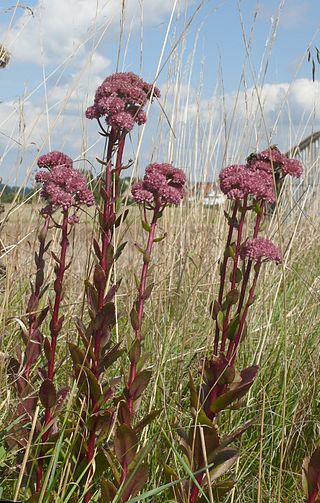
140	383
232	297
111	356
148	291
220	319
100	161
121	218
47	348
120	250
257	208
230	251
147	420
101	463
99	277
110	254
145	226
157	240
135	352
194	397
226	440
238	275
247	377
77	355
222	488
223	462
125	444
136	482
203	419
95	390
47	394
134	319
233	326
108	491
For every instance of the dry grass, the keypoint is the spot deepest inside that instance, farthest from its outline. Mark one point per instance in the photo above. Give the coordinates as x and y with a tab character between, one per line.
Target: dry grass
284	325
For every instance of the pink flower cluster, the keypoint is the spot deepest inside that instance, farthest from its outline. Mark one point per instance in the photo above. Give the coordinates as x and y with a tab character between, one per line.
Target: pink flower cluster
272	158
53	159
238	181
62	185
162	184
259	249
120	99
256	177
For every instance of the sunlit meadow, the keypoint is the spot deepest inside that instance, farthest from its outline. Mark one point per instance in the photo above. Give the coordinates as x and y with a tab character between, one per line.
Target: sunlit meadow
156	346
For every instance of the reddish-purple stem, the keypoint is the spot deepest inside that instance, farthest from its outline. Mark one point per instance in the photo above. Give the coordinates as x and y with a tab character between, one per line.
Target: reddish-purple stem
247	272
195	489
314	495
234	343
33	325
141	294
55	327
234	271
223	272
111	193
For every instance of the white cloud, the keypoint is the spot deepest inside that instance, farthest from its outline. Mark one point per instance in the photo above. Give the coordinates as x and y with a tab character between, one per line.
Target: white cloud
293	14
229	128
59	28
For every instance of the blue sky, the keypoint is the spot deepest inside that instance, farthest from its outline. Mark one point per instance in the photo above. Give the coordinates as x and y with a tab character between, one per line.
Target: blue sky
62	38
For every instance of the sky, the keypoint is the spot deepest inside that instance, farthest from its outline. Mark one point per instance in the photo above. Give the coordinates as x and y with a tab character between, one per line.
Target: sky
229	69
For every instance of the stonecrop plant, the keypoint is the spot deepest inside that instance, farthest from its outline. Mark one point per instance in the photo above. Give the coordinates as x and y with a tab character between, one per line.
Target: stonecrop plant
105	435
251	188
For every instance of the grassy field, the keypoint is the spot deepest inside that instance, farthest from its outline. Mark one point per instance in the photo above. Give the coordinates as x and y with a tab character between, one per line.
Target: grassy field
284	323
283	337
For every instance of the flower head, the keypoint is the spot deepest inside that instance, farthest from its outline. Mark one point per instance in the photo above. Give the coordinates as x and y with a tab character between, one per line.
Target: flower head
120	99
259	249
238	181
292	167
162	183
272	159
62	185
141	194
54	159
271	154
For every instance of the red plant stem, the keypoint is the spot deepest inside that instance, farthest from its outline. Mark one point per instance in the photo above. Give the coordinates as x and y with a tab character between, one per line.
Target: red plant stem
111	193
195	489
118	167
106	238
33	325
246	275
233	279
55	327
314	495
223	272
233	345
140	305
141	295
